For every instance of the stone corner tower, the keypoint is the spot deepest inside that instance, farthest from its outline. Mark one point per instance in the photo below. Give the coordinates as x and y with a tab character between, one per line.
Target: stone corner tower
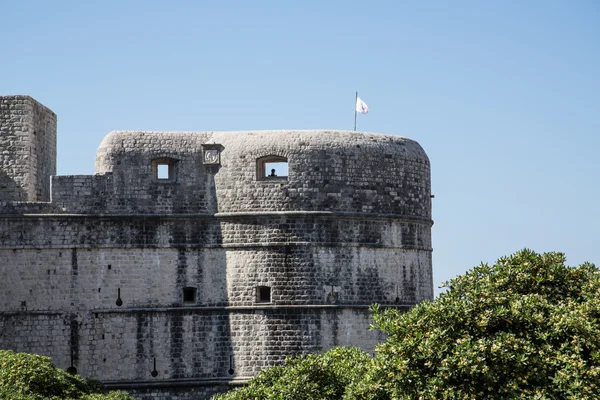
28	149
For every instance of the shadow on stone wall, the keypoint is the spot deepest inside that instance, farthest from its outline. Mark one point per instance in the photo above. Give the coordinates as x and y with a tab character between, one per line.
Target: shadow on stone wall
10	190
190	341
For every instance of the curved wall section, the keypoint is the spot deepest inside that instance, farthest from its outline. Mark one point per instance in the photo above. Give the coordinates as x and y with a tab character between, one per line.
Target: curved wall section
328	171
182	252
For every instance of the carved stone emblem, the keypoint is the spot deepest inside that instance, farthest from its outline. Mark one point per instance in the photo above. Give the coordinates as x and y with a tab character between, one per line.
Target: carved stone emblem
211	157
211	154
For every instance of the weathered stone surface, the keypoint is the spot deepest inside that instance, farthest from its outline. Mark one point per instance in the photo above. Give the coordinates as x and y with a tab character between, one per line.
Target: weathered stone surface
95	277
27	149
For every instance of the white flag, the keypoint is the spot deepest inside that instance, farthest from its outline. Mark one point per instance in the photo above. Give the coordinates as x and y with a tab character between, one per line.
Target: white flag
361	106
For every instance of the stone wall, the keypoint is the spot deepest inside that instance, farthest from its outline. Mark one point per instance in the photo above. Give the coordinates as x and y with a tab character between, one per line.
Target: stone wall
81	194
151	259
188	343
182	285
328	171
27	149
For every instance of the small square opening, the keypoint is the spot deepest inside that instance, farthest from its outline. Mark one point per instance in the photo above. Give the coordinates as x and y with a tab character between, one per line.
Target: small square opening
272	168
162	171
189	295
263	294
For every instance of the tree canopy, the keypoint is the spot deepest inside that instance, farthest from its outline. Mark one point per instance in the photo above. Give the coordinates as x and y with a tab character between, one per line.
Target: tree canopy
526	327
307	377
32	377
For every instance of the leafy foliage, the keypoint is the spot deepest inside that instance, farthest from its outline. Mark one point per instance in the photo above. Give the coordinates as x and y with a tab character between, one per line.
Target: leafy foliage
32	377
316	376
527	327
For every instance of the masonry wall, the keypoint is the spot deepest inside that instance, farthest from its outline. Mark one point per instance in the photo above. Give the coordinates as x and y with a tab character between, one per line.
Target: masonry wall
95	279
151	259
200	344
61	301
329	171
27	149
82	194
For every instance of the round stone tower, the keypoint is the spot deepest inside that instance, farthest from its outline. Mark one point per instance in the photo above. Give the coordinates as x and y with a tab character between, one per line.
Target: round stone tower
192	260
347	217
300	231
350	224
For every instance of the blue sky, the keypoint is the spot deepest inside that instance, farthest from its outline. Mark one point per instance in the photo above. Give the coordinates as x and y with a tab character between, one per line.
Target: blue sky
504	96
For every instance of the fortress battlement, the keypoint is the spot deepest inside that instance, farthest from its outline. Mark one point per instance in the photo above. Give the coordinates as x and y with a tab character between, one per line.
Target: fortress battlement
192	260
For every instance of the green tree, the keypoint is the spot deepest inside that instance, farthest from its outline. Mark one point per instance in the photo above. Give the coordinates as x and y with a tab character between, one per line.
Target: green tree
32	377
308	377
526	327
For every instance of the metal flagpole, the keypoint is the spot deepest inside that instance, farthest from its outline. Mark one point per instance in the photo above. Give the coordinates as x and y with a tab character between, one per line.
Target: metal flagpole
355	101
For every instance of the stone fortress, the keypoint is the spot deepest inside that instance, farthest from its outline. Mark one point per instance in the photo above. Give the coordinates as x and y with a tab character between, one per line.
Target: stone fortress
182	267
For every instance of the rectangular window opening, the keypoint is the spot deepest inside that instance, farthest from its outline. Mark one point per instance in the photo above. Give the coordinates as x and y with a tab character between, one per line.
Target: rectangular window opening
276	170
272	168
162	171
189	295
263	294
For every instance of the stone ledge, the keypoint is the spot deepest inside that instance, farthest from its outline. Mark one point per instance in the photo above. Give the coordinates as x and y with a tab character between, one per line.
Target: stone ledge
229	246
234	215
174	383
248	308
342	214
210	309
33	312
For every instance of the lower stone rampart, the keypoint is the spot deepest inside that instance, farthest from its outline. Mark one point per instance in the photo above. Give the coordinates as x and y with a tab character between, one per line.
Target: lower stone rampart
143	349
104	294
